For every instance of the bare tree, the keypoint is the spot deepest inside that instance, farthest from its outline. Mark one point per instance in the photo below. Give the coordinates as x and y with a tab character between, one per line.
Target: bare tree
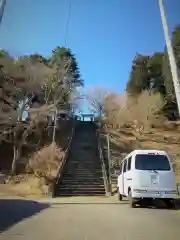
112	106
96	97
20	82
34	88
140	113
144	110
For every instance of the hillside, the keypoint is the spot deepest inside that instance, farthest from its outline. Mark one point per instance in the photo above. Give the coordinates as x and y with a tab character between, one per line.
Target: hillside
166	138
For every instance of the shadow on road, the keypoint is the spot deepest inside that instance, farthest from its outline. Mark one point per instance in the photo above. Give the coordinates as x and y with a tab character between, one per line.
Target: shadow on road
159	204
156	205
13	211
90	203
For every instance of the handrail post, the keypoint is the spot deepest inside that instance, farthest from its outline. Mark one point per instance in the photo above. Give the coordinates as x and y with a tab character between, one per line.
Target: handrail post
103	165
109	165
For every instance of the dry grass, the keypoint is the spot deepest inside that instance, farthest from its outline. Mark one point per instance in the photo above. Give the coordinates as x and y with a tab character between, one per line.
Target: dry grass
42	170
44	163
24	186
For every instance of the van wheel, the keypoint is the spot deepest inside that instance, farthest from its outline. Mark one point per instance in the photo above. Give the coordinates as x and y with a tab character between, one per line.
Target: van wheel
171	204
131	202
120	197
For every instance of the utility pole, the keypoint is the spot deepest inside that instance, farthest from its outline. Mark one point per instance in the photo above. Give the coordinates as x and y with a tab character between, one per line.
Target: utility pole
2	7
172	60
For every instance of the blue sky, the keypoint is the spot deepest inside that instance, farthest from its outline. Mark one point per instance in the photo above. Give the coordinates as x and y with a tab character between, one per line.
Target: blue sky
104	34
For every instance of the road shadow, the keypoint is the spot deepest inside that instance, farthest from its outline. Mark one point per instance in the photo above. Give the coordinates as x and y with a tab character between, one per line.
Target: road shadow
90	203
155	206
13	211
159	205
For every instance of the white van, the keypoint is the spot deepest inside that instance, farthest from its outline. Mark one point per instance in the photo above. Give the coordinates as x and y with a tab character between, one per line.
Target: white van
147	175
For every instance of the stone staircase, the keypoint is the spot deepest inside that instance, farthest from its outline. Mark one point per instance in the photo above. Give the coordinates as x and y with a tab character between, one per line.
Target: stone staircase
82	173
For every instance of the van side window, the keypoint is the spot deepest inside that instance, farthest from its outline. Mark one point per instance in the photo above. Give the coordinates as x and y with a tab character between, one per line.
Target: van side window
129	164
124	166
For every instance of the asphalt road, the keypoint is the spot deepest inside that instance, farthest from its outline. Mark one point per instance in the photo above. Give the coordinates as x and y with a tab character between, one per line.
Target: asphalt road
27	220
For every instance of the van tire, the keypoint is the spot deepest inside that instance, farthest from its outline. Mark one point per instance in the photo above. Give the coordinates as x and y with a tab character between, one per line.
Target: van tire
120	197
171	204
131	201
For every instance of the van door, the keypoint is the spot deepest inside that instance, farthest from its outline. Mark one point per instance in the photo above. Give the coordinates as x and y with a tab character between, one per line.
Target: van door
120	180
124	177
127	176
154	171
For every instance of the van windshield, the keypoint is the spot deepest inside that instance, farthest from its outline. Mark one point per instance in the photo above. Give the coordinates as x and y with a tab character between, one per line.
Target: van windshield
152	162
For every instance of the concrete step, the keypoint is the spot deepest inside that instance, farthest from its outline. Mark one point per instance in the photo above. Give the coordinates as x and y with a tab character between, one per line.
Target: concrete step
83	164
81	174
81	185
82	182
80	193
79	180
78	149
84	161
82	179
85	177
82	188
88	171
83	142
77	171
69	169
83	167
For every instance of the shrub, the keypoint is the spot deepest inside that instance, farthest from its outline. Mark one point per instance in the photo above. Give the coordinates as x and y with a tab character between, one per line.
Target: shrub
45	162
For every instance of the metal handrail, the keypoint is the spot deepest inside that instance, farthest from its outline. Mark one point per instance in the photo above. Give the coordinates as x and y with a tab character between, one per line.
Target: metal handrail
64	158
103	165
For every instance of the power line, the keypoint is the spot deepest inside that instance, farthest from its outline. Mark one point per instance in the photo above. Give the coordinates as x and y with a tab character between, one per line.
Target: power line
65	43
67	23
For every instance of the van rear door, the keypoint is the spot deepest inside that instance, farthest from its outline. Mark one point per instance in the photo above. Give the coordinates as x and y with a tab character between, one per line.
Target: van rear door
155	171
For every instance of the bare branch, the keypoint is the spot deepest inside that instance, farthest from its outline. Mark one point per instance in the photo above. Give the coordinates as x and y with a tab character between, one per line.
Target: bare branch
96	97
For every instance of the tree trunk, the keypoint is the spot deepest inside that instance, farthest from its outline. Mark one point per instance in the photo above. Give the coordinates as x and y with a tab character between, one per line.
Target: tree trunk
54	128
13	166
17	154
137	134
